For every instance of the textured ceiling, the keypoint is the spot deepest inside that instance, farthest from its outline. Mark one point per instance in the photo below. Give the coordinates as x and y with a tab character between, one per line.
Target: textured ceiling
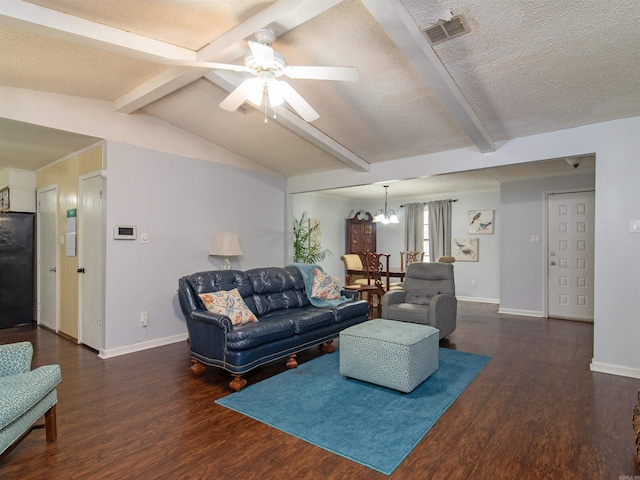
526	67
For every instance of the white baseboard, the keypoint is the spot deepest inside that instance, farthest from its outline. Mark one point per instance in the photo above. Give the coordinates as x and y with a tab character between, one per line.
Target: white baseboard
619	370
525	313
479	300
138	347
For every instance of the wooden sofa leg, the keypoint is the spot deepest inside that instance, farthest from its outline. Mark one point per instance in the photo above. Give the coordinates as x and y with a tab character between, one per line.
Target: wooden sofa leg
328	347
292	363
197	368
238	383
50	424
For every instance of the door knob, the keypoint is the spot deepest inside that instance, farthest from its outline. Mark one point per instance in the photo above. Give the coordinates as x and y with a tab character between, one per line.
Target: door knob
81	270
552	263
53	269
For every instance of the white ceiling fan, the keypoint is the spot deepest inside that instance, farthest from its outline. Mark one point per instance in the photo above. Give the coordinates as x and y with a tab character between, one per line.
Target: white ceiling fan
267	66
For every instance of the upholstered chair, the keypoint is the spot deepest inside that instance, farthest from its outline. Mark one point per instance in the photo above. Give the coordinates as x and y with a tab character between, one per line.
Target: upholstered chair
25	396
428	297
352	261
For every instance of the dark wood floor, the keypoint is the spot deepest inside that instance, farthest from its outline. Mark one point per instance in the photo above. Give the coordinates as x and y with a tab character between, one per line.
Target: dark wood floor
535	412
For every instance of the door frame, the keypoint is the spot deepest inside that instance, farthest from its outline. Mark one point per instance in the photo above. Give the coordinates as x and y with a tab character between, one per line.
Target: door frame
545	224
80	252
49	188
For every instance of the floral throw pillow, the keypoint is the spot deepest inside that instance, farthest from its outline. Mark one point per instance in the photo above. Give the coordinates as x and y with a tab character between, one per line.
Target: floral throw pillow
325	286
229	303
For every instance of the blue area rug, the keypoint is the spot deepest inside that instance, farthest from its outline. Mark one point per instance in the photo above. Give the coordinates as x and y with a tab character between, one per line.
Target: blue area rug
371	425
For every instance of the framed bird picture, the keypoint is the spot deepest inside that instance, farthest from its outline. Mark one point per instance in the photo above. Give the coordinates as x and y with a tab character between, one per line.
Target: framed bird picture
480	221
465	249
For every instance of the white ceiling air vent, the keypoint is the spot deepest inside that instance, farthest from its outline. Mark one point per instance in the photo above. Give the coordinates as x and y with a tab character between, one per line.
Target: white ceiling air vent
446	30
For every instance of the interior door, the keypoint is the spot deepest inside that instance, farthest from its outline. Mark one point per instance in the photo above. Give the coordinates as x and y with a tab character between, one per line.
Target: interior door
90	262
48	258
570	255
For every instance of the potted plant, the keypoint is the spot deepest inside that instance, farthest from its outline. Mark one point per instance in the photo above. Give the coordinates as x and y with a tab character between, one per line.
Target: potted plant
306	241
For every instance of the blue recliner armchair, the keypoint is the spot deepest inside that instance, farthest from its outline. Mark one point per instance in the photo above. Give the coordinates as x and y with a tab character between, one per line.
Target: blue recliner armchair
25	395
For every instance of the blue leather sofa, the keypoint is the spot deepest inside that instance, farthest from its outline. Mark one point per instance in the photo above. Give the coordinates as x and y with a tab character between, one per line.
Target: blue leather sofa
287	322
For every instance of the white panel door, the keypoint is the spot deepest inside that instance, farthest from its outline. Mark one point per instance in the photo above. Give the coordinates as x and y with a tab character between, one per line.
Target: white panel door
90	263
48	258
570	255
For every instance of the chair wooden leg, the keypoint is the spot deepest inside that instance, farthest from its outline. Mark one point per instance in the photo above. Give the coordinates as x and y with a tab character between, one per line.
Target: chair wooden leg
50	424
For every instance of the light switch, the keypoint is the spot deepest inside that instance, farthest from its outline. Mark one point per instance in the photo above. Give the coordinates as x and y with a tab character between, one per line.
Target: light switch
144	238
635	226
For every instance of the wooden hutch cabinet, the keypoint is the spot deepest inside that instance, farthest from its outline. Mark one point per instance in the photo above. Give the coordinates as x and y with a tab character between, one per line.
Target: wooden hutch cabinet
361	233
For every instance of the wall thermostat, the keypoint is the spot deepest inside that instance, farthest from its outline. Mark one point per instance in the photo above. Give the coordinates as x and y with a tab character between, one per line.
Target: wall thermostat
125	232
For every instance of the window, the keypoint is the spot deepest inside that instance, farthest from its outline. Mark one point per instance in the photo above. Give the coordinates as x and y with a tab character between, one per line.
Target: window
426	235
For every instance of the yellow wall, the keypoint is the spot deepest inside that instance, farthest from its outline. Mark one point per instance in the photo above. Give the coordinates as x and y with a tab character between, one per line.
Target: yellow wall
66	176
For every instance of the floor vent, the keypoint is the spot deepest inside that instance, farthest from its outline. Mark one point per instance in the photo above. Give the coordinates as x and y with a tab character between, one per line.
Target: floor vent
446	30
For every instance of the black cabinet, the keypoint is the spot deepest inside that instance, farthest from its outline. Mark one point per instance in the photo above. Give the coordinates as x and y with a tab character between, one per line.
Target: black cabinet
16	269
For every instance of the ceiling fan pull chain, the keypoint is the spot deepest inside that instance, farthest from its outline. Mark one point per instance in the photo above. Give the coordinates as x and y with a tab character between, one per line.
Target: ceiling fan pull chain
264	93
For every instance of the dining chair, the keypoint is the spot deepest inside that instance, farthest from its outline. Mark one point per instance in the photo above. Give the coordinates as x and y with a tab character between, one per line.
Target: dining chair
377	268
352	261
410	257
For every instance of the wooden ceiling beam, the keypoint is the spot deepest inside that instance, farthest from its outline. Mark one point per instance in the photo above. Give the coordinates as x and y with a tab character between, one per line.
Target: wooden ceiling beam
403	31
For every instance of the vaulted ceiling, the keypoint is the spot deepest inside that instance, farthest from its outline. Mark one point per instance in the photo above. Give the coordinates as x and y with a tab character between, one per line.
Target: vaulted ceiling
525	67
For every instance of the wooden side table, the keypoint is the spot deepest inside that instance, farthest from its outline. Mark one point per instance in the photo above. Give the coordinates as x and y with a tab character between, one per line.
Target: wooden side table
361	289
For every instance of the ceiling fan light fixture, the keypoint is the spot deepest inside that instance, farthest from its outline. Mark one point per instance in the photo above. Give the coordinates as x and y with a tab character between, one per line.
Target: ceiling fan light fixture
276	96
266	65
256	92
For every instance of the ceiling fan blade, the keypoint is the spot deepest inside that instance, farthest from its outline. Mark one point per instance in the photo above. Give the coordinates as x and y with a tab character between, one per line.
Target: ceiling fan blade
263	54
298	103
345	74
211	65
238	96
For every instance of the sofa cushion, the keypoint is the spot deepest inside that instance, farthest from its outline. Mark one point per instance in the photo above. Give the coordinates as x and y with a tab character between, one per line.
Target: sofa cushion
303	319
228	303
273	289
254	334
408	312
325	286
19	393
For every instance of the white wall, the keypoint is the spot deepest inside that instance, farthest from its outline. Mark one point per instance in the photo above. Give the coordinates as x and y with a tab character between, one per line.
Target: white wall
180	202
486	271
617	268
523	262
617	258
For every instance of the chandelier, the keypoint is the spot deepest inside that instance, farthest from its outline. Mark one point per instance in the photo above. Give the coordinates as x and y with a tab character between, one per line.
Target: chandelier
385	216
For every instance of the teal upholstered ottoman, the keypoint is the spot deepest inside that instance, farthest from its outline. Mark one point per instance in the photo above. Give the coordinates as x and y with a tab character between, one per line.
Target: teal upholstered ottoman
398	355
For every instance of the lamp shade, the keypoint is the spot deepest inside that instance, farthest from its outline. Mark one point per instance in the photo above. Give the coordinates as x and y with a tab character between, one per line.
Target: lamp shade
225	244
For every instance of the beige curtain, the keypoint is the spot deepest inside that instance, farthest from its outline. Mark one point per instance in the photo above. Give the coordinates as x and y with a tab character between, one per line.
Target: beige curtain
439	229
414	227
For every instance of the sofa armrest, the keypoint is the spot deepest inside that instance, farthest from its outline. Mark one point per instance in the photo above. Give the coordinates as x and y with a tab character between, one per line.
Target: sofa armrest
15	358
352	294
205	316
